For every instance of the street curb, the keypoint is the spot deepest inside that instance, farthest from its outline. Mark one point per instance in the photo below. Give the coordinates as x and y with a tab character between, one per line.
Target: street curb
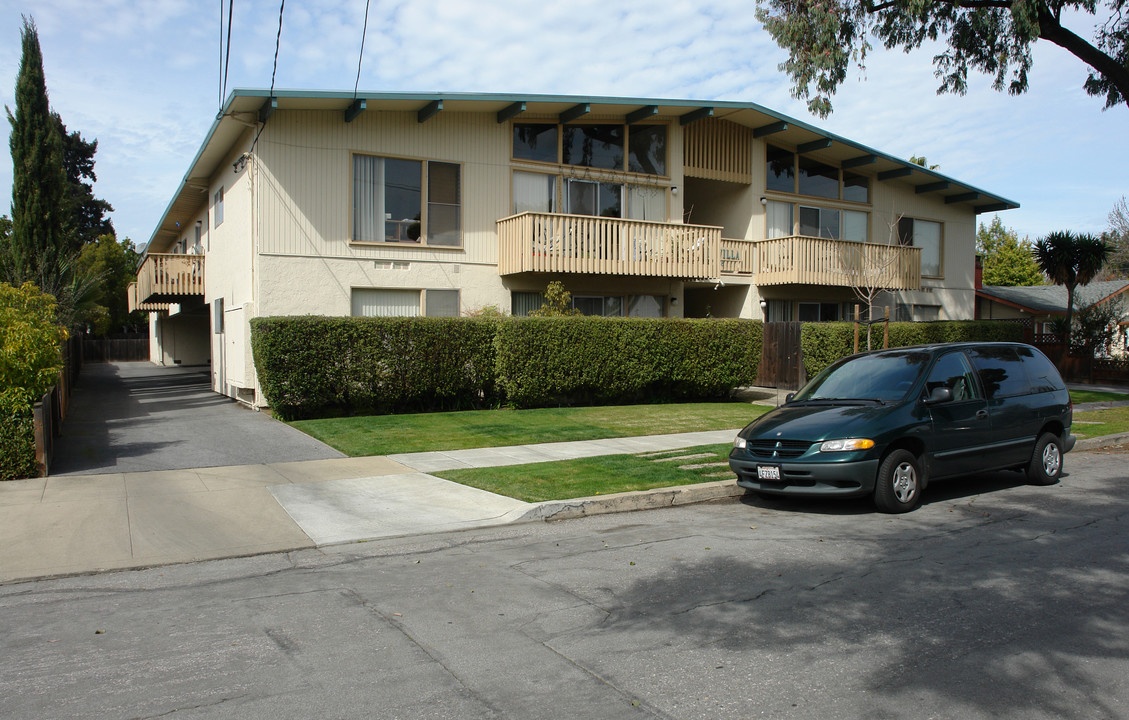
1101	441
629	501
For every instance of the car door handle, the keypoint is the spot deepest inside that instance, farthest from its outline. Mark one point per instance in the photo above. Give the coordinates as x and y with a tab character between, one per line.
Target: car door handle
982	414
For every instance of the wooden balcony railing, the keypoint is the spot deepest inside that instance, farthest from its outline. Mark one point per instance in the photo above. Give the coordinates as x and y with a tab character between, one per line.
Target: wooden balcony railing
550	242
818	261
165	279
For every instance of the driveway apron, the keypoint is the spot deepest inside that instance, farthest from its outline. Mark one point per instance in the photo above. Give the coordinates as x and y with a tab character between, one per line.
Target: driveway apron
137	417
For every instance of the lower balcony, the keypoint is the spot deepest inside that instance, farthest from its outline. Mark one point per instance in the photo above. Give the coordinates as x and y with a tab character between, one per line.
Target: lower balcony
555	243
818	261
167	278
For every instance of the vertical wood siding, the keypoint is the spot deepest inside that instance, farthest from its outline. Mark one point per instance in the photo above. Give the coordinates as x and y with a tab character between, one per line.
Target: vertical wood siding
718	150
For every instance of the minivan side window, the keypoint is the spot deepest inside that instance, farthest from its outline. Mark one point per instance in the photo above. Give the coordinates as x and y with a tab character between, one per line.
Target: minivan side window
1041	373
954	372
1000	370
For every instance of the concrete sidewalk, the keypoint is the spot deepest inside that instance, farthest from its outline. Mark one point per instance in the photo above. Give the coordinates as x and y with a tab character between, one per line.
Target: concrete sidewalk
77	524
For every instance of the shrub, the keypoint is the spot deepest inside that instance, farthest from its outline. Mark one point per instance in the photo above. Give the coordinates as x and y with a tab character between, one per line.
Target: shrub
29	341
313	365
17	438
593	360
824	343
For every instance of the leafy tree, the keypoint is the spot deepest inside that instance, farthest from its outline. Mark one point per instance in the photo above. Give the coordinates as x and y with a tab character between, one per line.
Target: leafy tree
922	162
1070	260
824	37
1096	329
558	302
1117	236
88	219
115	263
40	224
1007	259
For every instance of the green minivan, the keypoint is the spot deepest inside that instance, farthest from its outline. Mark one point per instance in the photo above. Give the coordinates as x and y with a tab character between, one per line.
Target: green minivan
888	422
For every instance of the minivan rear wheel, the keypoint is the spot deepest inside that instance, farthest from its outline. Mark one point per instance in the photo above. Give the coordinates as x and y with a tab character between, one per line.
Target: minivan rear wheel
898	486
1045	467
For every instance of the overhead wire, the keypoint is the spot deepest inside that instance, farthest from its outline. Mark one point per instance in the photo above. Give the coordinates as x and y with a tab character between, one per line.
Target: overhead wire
361	55
277	42
227	56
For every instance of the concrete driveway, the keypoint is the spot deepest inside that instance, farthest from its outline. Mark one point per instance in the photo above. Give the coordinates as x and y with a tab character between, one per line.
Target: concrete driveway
136	417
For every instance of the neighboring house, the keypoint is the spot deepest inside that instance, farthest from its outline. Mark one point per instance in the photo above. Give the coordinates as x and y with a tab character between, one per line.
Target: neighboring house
440	204
1041	304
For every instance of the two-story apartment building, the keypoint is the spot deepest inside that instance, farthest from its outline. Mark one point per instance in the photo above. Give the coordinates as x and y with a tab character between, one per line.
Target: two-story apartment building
426	204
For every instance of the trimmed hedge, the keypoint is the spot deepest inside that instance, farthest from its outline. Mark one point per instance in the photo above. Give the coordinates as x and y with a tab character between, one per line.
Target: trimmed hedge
824	343
17	439
313	366
594	360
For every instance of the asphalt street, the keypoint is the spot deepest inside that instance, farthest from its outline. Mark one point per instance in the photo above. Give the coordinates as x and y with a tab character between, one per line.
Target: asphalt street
993	600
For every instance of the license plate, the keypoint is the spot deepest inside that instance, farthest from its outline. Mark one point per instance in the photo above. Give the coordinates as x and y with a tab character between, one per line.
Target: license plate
768	472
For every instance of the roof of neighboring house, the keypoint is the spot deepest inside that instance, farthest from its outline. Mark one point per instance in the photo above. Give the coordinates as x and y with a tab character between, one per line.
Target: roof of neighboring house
1051	299
245	107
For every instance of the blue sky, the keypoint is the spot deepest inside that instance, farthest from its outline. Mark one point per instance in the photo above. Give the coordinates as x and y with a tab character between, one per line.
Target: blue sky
142	76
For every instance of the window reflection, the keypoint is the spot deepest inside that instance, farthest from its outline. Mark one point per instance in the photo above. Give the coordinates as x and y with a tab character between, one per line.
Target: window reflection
647	149
597	146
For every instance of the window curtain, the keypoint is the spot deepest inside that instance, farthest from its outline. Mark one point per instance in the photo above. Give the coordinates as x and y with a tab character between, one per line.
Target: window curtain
854	226
646	202
534	192
927	236
368	199
385	303
778	219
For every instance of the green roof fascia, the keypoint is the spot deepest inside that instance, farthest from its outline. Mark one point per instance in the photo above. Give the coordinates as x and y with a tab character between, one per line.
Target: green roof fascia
572	100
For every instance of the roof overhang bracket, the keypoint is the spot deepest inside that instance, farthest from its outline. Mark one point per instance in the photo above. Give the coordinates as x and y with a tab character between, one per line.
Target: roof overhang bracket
770	129
963	197
994	207
859	161
896	173
932	187
354	110
511	110
821	144
267	109
574	112
429	111
641	114
694	115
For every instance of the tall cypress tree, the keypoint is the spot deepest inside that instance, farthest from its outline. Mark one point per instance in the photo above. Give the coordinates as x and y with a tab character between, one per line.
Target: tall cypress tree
40	226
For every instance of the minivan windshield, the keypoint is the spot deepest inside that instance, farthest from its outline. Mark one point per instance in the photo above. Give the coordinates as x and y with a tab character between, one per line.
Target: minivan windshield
886	377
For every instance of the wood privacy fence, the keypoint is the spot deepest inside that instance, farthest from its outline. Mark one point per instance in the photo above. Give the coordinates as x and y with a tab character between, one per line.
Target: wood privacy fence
131	347
49	412
782	358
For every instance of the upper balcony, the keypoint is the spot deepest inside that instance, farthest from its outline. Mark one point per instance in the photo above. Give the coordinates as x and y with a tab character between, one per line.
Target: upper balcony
555	243
167	278
819	261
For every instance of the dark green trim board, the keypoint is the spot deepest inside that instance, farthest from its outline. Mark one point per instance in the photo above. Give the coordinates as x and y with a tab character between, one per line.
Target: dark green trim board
693	115
932	187
770	129
575	112
511	110
859	161
898	173
429	110
963	197
641	114
821	144
355	110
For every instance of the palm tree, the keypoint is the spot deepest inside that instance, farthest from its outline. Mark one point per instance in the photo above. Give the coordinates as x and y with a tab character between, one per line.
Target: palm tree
1070	260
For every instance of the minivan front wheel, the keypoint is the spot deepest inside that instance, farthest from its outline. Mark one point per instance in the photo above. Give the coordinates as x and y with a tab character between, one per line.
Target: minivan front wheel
898	486
1046	461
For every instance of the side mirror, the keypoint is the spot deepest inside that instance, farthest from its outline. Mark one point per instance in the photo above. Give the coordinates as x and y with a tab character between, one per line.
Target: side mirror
788	397
940	395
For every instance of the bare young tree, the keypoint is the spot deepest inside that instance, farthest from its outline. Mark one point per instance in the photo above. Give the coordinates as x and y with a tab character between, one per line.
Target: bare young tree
870	269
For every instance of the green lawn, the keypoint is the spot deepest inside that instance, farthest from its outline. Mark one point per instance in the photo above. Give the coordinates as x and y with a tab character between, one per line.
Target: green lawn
1084	396
387	434
1094	423
603	475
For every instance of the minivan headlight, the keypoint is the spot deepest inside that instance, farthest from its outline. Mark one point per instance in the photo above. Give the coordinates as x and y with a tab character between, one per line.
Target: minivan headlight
846	445
739	442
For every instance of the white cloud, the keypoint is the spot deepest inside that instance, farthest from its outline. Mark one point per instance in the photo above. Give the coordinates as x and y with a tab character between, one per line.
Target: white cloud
143	77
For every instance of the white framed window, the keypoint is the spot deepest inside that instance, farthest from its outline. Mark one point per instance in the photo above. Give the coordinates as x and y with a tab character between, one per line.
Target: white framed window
396	302
534	192
819	222
926	235
390	196
217	208
778	219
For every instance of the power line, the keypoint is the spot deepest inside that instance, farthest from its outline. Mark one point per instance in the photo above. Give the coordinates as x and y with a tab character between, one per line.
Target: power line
227	58
277	40
361	56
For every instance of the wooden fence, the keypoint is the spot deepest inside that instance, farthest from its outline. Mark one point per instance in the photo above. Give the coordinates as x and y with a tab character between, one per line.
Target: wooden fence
132	347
